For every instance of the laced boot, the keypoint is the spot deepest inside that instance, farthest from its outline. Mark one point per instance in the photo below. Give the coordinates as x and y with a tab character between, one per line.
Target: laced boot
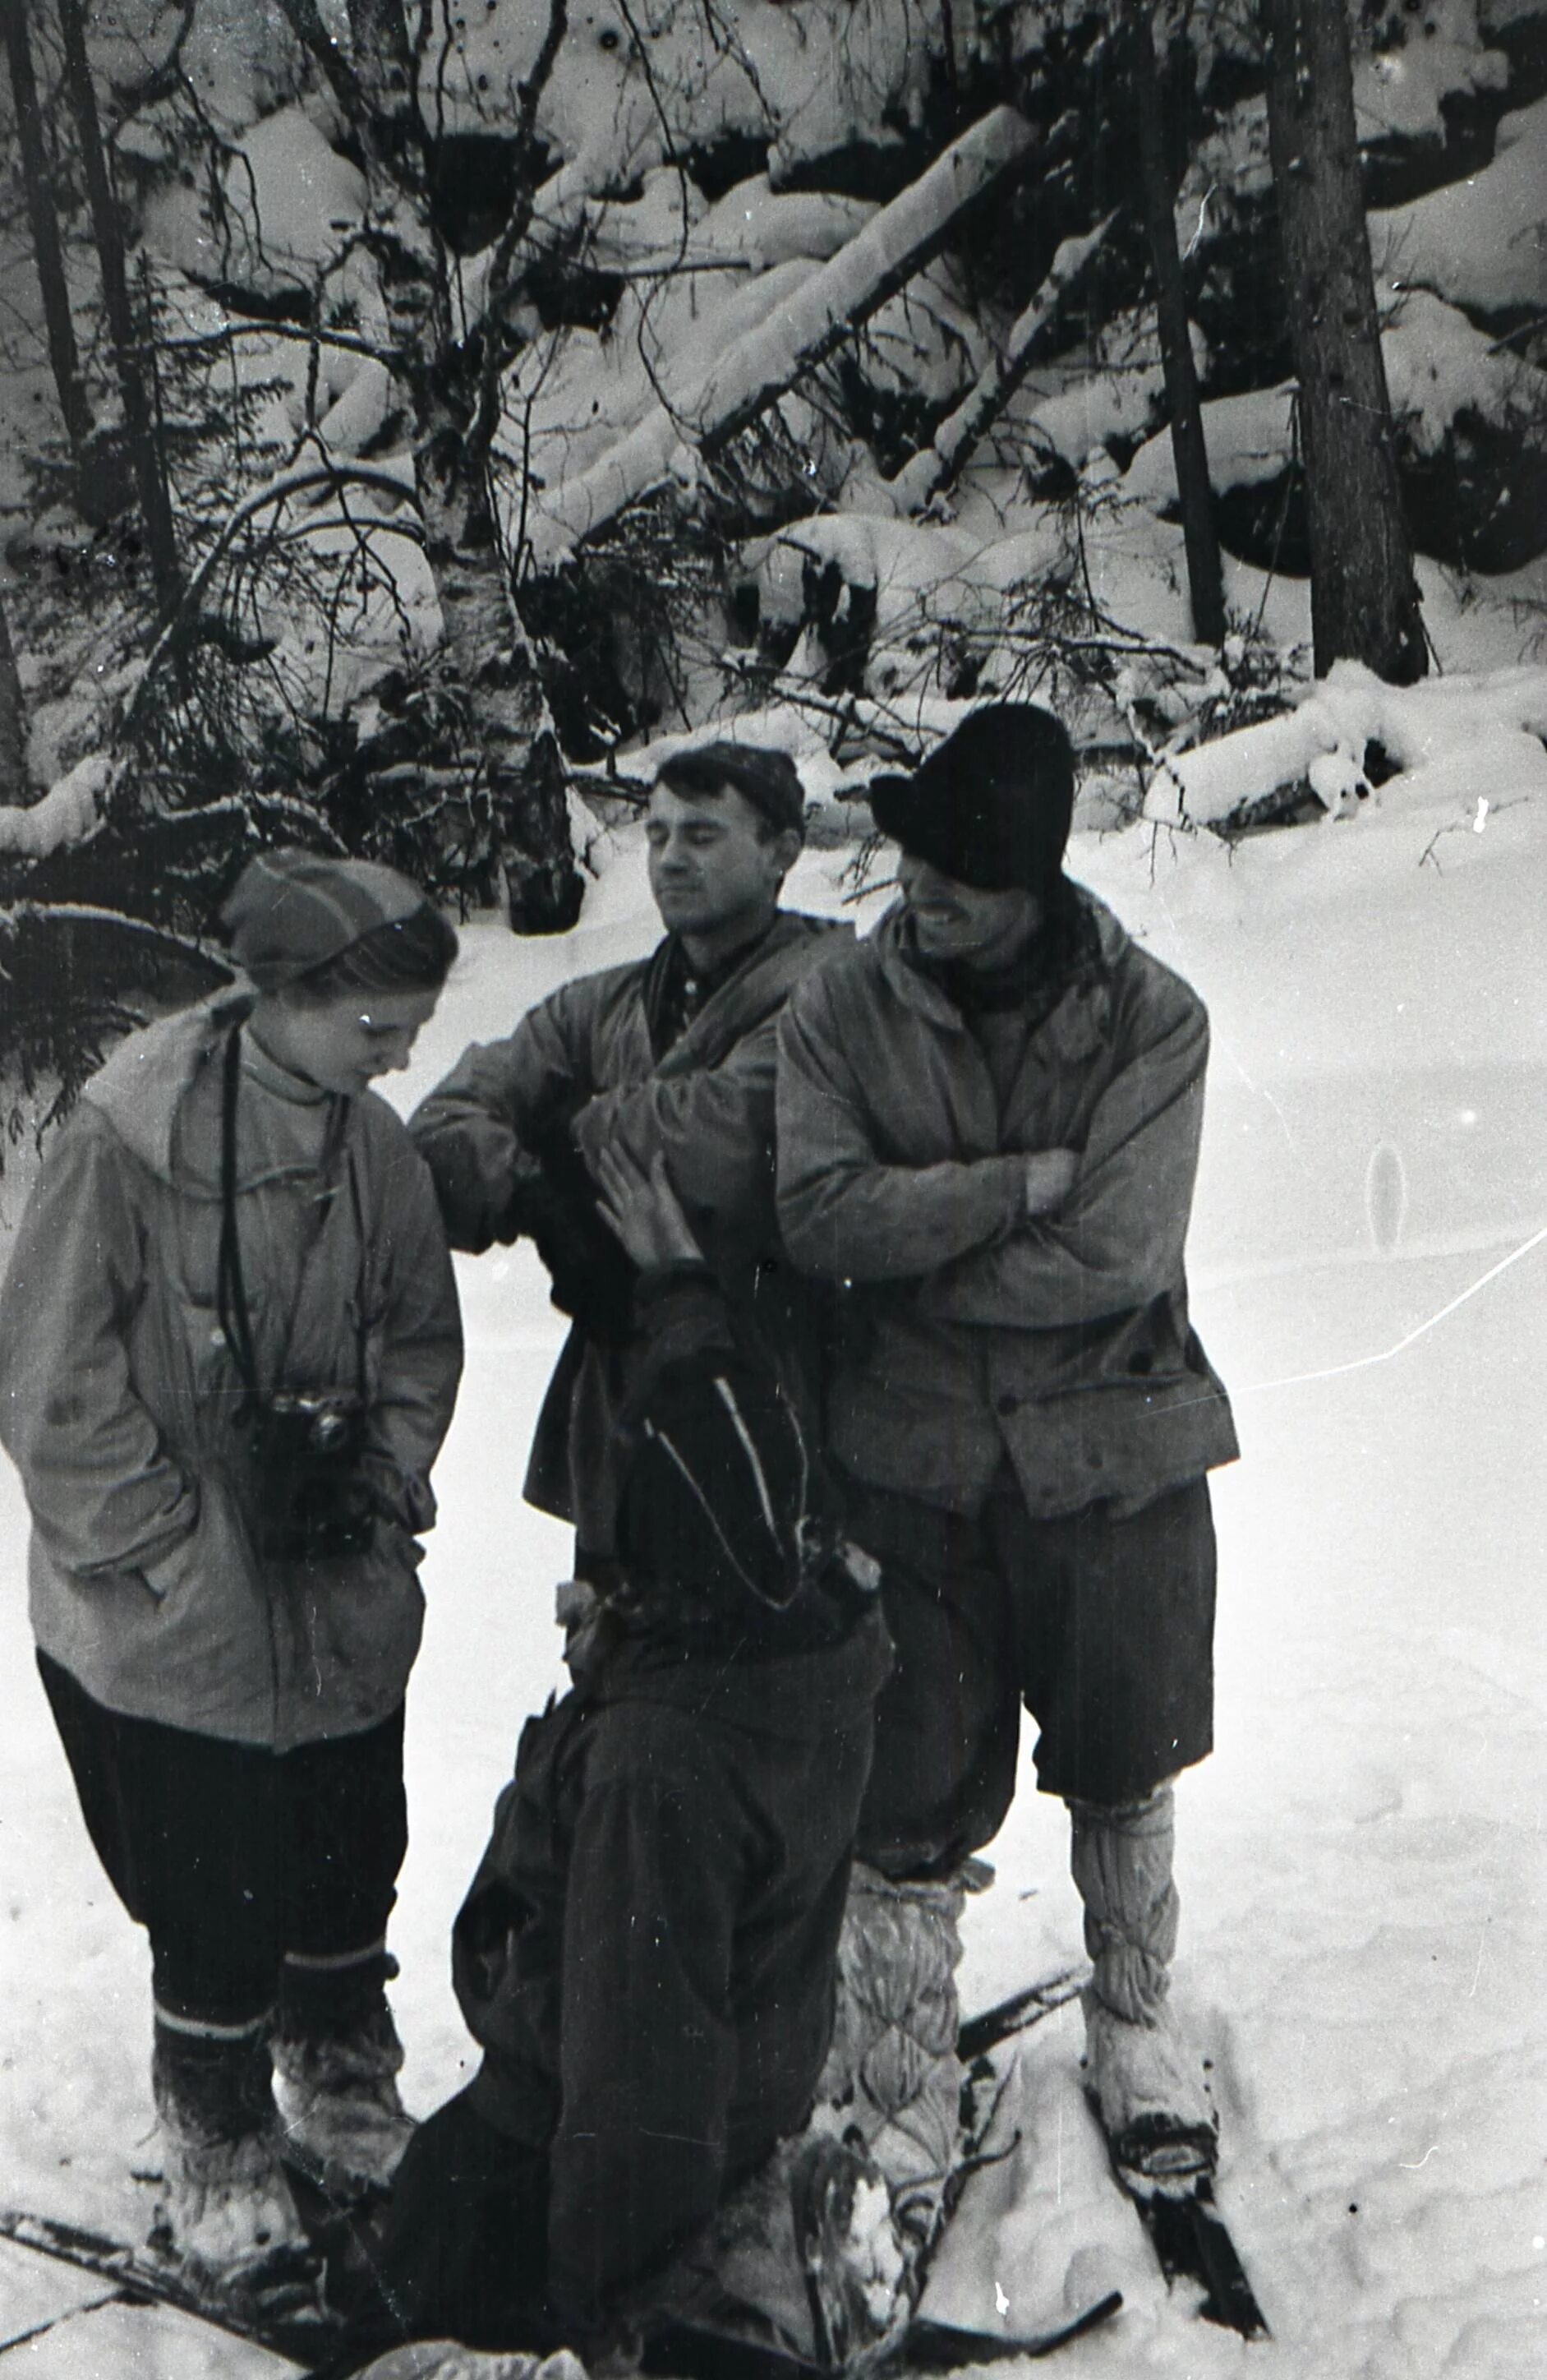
337	2056
1148	2085
226	2210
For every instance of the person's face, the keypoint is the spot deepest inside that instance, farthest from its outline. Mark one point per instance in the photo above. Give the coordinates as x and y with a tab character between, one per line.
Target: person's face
343	1043
961	922
712	862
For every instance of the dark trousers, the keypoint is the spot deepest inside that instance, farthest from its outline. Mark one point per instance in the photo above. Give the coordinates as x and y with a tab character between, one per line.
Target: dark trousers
1100	1625
647	1956
233	1857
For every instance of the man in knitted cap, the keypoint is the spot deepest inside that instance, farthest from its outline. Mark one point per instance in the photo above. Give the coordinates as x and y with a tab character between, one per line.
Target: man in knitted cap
988	1125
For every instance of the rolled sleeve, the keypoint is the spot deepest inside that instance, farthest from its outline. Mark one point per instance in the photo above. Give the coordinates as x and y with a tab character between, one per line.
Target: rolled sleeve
475	1129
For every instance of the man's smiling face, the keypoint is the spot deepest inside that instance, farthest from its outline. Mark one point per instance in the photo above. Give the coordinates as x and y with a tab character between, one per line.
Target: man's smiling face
961	922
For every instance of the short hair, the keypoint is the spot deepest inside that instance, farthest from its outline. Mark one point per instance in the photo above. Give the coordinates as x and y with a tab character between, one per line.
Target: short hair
412	953
762	776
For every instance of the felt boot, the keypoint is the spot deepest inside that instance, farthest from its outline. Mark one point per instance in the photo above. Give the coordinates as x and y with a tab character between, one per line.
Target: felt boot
337	2056
1149	2086
226	2210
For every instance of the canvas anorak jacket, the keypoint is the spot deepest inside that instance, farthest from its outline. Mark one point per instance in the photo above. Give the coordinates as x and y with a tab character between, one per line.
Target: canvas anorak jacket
673	1850
584	1059
119	1392
969	1334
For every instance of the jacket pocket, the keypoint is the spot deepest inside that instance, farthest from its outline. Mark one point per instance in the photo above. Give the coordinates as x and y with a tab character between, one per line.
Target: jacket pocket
148	1587
162	1577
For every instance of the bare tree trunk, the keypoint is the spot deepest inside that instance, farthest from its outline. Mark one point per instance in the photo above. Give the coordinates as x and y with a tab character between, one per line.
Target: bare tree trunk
1205	583
47	252
145	457
484	656
14	787
1364	597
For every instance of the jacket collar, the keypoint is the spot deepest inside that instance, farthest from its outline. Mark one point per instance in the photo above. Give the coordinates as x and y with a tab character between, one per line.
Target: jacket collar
1076	1027
753	989
144	1086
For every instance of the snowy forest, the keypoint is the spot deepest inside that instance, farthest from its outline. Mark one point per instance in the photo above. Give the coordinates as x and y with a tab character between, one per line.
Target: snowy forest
420	418
412	415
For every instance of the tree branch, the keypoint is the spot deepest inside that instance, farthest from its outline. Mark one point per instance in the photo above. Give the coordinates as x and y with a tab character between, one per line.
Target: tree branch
938	465
798	336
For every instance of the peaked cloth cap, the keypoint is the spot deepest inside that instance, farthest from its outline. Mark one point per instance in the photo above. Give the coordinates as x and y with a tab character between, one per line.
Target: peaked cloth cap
291	911
991	806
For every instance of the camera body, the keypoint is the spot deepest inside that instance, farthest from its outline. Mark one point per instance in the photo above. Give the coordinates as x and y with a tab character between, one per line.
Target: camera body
315	1503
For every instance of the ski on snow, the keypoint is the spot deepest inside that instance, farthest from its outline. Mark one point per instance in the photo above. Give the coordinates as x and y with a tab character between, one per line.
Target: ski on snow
1192	2244
313	2340
142	2277
696	2351
1188	2235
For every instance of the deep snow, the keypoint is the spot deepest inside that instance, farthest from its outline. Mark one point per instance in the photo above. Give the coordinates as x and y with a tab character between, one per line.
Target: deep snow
1361	1861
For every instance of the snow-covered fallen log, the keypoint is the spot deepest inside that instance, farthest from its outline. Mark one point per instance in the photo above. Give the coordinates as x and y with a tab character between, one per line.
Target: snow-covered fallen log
730	390
1323	741
936	465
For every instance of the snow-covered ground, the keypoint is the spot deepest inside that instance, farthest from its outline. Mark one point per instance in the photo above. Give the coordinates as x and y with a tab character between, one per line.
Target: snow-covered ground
1362	1862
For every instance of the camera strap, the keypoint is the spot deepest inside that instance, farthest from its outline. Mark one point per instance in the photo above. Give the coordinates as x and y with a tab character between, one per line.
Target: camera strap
231	1298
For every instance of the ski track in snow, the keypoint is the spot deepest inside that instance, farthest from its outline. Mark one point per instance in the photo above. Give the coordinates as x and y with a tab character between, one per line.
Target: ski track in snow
1361	1861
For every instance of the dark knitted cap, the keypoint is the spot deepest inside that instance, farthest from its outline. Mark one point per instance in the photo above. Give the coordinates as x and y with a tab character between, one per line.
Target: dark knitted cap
291	911
765	777
991	806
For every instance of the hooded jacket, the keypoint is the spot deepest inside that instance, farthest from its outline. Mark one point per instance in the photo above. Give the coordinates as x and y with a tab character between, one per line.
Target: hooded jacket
119	1396
583	1063
970	1335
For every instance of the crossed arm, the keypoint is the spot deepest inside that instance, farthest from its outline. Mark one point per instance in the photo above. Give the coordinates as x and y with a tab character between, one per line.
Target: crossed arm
1033	1241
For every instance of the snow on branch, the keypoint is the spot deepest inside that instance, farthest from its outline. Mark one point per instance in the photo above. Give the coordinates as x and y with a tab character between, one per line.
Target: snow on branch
394	479
68	812
936	465
730	390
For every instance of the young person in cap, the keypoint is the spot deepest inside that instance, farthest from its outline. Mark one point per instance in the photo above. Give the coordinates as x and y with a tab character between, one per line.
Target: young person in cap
988	1125
229	1350
672	1056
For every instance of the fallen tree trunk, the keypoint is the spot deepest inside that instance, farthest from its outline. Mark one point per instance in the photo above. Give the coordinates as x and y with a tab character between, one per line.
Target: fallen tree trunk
759	367
939	463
